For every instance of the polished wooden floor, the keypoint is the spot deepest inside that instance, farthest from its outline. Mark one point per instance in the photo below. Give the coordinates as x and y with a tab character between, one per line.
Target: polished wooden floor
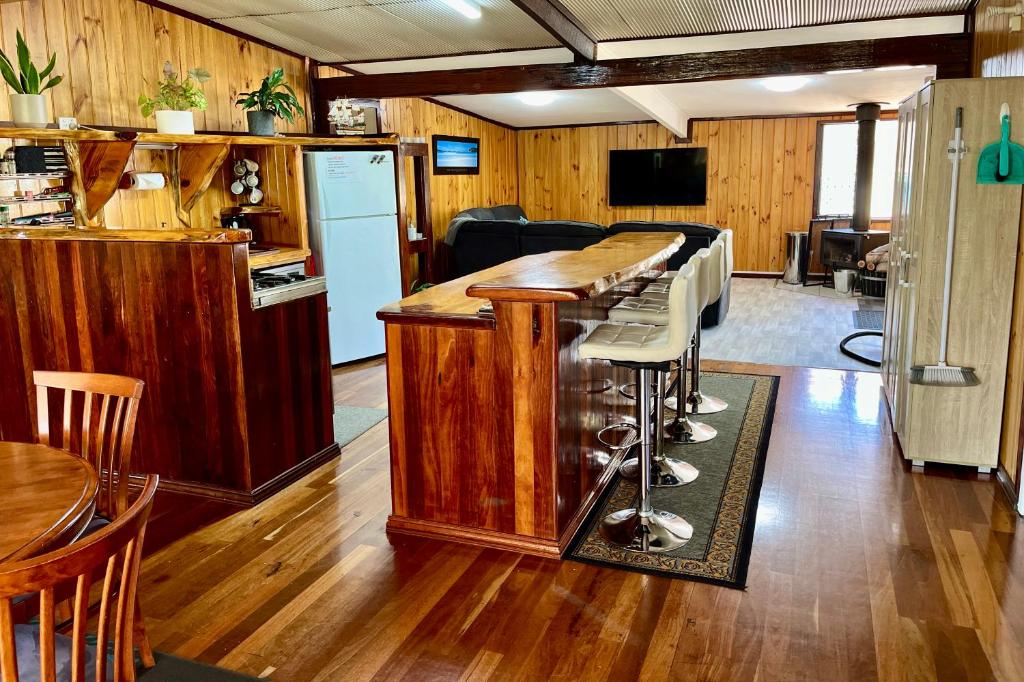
862	569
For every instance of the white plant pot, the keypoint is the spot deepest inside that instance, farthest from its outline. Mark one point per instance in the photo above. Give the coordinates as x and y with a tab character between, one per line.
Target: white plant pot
175	122
29	111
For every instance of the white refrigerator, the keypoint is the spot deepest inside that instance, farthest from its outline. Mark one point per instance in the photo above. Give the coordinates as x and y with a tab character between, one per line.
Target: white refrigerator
353	220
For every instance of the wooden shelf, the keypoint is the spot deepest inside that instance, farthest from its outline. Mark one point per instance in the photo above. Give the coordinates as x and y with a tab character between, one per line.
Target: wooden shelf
12	201
418	245
198	138
250	210
35	176
284	254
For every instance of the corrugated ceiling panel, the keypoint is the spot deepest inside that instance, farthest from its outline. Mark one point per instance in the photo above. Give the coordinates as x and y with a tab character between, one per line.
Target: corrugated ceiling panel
619	19
252	26
354	30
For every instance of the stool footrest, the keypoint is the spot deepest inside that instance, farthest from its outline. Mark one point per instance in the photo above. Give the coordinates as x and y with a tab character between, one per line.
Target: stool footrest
628	441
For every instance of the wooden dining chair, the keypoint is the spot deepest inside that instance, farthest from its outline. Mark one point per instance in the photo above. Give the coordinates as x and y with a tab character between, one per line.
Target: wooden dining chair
97	421
102	436
112	552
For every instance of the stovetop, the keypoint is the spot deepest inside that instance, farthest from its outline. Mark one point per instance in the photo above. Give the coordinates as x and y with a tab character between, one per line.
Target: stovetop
262	281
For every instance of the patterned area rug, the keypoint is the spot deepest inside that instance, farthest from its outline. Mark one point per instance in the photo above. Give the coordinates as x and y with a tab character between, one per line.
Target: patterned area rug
721	504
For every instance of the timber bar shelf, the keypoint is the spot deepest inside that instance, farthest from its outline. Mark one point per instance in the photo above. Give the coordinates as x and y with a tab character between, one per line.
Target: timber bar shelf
98	159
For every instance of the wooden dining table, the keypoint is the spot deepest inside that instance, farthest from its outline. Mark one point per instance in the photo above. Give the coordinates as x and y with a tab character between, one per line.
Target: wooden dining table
47	498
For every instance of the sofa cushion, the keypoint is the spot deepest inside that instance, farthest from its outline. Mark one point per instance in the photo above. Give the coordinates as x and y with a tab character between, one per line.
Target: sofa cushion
483	244
541	236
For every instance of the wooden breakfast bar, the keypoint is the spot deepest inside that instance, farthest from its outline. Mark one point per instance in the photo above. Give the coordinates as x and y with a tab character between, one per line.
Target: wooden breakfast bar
493	414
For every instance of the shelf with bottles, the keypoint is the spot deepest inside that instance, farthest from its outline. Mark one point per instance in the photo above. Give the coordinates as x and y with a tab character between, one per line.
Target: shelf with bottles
35	198
15	177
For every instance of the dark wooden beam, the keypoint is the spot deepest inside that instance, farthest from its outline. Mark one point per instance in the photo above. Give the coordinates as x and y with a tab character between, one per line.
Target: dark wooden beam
557	20
949	53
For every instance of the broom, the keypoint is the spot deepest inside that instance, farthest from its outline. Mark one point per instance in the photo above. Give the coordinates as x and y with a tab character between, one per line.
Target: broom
942	374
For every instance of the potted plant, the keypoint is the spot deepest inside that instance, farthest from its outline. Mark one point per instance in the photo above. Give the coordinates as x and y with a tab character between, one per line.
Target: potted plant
175	100
274	99
28	106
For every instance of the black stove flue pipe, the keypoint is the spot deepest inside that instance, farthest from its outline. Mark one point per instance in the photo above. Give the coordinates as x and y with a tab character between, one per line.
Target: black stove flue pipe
867	115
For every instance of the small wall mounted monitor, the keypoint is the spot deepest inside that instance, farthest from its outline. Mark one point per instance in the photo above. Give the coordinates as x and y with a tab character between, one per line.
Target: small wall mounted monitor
658	177
456	155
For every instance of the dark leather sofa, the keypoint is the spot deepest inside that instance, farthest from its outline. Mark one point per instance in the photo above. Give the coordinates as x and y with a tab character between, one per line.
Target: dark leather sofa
480	238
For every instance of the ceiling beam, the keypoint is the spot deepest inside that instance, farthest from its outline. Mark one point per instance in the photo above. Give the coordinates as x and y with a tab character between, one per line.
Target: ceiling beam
655	104
949	53
557	20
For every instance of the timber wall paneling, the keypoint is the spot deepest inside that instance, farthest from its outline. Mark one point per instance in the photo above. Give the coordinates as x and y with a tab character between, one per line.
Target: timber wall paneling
760	178
100	90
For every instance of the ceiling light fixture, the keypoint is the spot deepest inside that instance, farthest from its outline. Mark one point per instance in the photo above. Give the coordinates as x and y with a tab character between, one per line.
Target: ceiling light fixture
840	72
465	8
785	83
537	99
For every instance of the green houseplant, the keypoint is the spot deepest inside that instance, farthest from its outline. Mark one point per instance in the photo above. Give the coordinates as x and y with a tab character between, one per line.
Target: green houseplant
175	99
28	106
274	99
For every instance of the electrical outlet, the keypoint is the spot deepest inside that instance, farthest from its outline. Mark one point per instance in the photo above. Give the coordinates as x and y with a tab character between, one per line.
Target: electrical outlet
1015	24
67	123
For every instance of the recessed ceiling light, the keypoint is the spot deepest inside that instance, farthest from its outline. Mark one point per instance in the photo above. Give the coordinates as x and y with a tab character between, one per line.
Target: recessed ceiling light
894	68
537	99
465	8
843	71
785	83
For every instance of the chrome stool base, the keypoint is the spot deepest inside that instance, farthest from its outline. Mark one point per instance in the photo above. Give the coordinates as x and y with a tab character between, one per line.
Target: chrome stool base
686	430
658	532
705	404
666	472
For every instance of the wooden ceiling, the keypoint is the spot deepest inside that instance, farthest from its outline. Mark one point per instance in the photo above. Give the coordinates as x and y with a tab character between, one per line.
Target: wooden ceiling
340	31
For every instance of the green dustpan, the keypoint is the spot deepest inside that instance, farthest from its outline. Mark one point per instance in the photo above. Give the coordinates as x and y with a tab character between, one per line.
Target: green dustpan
1002	163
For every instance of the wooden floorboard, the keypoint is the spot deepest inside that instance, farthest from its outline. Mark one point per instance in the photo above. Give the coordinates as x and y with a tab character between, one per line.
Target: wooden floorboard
862	569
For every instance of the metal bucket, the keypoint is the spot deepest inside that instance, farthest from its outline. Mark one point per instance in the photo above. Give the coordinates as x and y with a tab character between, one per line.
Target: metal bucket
845	281
796	243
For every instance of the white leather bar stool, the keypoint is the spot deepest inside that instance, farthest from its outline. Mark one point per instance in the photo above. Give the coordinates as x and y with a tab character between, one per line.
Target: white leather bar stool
719	274
647	349
653	310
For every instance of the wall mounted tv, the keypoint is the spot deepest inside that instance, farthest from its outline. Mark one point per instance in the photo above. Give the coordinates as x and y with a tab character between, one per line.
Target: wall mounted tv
658	177
456	155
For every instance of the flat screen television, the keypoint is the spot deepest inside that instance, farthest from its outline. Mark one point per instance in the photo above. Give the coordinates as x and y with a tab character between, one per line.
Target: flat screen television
658	177
456	155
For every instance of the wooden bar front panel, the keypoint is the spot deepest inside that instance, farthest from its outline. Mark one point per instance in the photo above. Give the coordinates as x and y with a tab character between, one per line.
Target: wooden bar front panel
494	431
237	401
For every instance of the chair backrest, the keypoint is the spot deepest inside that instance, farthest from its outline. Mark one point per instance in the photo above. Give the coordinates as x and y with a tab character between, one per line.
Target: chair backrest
699	263
726	238
114	552
683	312
716	270
104	436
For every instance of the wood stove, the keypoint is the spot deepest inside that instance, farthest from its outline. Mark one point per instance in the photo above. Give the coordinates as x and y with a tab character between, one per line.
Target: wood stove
841	248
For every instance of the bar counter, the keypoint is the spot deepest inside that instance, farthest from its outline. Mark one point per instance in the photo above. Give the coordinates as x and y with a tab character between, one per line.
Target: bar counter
237	401
493	414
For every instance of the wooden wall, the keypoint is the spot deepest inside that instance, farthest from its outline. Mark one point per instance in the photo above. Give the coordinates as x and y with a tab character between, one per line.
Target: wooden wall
998	52
497	182
108	49
760	178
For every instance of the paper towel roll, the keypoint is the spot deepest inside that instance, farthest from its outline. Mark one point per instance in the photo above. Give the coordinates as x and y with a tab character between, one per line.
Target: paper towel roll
144	181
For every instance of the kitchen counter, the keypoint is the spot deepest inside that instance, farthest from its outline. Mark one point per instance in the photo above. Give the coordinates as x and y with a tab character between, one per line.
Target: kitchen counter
237	401
493	414
119	235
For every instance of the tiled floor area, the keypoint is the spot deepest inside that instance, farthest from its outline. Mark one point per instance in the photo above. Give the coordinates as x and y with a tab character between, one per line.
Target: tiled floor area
773	323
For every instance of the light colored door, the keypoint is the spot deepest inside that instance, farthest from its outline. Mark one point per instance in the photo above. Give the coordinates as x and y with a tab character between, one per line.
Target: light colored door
363	274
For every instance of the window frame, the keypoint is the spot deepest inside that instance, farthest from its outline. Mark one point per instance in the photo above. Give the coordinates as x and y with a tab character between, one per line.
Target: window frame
818	149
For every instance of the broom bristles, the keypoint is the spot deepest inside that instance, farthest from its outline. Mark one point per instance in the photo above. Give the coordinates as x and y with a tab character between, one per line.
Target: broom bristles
943	375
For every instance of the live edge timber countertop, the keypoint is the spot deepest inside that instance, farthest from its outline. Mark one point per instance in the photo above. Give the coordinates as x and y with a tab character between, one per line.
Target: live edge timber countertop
113	234
542	278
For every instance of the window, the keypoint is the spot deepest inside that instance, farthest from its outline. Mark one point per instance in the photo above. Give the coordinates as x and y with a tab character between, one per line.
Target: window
837	168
